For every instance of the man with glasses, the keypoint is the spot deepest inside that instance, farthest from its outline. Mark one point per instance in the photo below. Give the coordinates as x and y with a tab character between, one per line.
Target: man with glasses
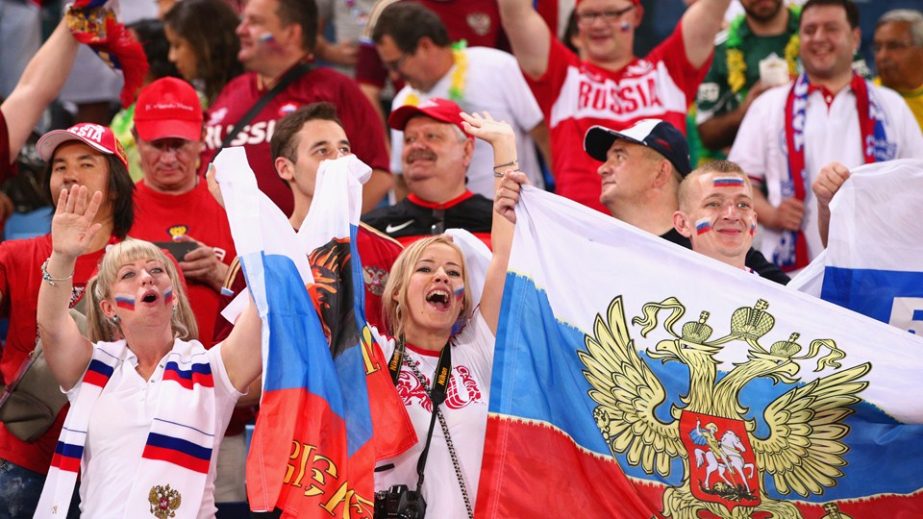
435	159
611	87
172	203
898	48
414	43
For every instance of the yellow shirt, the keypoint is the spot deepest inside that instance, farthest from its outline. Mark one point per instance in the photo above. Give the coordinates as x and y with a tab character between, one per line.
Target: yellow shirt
914	99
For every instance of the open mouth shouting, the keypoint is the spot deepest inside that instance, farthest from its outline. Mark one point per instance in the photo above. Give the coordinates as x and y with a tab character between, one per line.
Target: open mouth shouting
439	298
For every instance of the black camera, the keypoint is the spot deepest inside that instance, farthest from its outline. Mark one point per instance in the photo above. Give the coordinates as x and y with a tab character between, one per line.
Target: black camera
399	502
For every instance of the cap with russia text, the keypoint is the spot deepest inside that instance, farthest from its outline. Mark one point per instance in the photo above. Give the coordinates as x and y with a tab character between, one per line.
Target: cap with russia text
96	136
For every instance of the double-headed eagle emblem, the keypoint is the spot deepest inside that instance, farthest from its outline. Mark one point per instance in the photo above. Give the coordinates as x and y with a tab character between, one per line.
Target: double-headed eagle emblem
725	457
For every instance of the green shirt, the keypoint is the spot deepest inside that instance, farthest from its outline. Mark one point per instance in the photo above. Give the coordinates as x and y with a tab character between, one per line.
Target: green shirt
715	96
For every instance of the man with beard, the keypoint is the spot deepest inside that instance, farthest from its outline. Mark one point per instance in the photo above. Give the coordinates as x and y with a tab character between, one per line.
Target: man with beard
898	48
828	114
764	37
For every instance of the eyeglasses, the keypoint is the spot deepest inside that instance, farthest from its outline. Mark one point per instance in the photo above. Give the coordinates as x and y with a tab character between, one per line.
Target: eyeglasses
891	46
608	16
396	64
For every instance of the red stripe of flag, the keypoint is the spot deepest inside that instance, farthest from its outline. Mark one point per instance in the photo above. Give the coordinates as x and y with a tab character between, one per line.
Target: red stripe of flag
96	378
65	463
203	379
152	452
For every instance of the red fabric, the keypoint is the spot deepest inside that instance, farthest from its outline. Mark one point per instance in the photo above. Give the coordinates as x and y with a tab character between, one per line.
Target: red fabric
533	470
98	28
160	216
796	161
594	95
362	124
20	278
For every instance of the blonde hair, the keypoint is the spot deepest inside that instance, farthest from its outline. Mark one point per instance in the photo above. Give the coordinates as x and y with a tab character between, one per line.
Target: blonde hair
100	328
394	298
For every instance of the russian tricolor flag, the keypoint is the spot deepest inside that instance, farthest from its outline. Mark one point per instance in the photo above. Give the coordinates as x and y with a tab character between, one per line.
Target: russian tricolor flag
312	452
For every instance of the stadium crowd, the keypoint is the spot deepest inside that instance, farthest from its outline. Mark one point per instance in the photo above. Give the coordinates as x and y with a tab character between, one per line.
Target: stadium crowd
730	137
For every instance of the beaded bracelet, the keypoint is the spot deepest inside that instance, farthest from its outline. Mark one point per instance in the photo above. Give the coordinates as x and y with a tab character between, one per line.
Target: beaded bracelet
48	278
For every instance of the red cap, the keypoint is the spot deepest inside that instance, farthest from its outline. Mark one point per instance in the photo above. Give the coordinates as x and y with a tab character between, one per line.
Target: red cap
636	2
96	136
437	108
168	108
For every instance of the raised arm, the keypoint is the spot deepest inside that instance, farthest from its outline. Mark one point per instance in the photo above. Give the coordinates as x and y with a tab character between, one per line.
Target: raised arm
241	350
529	37
39	85
67	351
701	23
829	180
501	137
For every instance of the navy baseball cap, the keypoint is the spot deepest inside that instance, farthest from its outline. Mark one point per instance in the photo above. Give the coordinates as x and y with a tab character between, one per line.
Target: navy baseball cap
656	134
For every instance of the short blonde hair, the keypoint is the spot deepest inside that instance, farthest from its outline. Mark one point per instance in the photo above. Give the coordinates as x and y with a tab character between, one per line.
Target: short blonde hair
100	328
394	298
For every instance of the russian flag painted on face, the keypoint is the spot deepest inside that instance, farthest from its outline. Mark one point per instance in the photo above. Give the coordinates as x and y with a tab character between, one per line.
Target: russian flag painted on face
633	378
874	258
312	453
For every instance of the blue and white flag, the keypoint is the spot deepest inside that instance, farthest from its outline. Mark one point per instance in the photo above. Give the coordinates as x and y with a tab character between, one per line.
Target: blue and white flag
874	258
635	378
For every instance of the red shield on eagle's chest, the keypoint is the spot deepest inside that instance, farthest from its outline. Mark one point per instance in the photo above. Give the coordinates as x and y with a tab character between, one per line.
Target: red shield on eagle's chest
722	466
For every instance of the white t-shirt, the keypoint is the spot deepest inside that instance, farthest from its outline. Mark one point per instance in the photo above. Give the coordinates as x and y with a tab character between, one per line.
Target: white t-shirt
465	412
830	135
494	83
118	429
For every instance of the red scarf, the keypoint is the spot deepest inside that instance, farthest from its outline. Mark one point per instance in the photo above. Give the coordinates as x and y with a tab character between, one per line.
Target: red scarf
794	253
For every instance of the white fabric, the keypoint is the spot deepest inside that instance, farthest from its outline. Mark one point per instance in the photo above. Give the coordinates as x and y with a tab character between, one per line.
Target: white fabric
830	135
494	83
874	242
119	425
465	412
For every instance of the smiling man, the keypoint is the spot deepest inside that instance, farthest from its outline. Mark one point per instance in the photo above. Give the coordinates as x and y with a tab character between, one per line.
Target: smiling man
435	158
611	87
716	212
828	114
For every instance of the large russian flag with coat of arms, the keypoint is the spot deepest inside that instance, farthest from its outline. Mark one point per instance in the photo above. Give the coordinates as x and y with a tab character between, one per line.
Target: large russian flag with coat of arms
316	440
634	378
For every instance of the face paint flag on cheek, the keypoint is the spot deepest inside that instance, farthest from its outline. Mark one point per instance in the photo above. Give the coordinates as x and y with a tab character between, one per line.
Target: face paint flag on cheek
460	292
702	225
168	296
753	229
124	301
728	181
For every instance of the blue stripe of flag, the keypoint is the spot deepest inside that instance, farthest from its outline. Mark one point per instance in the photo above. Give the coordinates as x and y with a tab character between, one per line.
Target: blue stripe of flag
180	445
101	367
202	369
69	450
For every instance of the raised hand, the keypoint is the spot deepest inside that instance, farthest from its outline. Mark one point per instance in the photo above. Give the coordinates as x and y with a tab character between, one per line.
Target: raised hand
72	226
486	128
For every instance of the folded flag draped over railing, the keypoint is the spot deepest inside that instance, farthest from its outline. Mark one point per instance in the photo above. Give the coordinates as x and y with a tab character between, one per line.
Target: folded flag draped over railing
634	378
314	446
874	258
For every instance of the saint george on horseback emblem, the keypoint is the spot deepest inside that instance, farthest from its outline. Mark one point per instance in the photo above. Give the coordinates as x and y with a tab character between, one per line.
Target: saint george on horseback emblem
722	466
729	450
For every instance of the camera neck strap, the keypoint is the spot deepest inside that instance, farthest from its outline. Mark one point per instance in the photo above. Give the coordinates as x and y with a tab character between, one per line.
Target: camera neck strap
438	393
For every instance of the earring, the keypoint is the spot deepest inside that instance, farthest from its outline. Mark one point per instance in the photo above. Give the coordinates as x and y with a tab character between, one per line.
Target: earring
115	320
